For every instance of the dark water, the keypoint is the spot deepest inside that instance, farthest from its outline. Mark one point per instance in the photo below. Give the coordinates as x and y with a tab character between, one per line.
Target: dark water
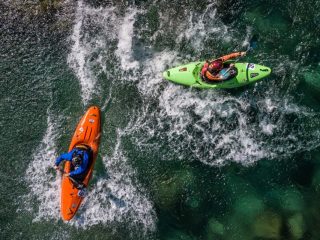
174	162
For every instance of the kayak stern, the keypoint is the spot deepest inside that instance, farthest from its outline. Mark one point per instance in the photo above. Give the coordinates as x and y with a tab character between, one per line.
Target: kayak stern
185	74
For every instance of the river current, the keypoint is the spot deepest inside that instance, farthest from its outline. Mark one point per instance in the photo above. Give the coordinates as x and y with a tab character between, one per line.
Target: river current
174	162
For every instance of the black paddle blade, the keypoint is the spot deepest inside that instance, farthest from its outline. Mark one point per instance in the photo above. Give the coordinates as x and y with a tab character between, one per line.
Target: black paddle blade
253	42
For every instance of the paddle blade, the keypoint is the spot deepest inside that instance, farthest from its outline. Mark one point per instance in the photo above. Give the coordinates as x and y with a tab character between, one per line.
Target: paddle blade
253	42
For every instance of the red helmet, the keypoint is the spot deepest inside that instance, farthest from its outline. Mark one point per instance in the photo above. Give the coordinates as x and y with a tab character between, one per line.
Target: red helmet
216	65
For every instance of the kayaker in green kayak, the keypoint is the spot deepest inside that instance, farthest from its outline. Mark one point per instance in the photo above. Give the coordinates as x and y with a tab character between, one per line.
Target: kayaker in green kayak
219	73
215	70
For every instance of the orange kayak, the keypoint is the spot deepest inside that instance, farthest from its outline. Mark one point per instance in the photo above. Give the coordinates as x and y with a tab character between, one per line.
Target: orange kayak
87	133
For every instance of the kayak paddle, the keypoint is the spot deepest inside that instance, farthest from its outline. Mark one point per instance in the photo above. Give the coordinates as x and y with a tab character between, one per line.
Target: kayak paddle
78	185
253	43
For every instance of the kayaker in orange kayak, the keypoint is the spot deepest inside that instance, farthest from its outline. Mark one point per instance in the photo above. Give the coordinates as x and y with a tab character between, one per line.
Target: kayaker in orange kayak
74	182
79	158
210	71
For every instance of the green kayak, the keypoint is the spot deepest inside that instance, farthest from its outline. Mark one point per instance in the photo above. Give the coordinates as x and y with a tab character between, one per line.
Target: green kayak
189	75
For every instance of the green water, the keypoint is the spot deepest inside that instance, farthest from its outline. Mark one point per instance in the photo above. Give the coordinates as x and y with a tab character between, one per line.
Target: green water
174	162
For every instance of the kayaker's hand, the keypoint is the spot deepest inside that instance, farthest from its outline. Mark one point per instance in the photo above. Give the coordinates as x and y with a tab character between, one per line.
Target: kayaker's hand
56	167
67	174
243	54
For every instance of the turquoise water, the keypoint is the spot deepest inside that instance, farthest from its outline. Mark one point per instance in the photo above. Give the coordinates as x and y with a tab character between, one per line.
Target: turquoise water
174	162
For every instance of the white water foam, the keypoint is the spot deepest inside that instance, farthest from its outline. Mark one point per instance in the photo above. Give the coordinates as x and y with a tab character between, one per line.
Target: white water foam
44	186
197	29
124	51
216	127
95	32
213	111
88	44
77	60
151	77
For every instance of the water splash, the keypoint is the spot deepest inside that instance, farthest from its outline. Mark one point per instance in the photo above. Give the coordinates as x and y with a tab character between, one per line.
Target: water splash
77	60
197	30
124	51
89	50
44	186
151	77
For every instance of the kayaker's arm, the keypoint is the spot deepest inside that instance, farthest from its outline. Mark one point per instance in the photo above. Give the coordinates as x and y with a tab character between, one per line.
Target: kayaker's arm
232	55
64	156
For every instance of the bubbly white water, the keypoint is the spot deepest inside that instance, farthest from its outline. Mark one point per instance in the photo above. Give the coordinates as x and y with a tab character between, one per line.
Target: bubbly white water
197	30
89	41
77	57
151	78
43	184
124	51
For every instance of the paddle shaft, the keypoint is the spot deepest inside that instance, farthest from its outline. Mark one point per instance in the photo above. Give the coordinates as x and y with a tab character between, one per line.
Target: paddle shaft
252	45
75	182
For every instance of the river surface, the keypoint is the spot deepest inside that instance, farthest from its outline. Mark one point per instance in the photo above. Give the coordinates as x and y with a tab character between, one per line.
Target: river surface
174	162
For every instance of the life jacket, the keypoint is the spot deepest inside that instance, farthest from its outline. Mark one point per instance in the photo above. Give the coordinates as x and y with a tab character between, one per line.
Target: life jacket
209	74
212	77
80	150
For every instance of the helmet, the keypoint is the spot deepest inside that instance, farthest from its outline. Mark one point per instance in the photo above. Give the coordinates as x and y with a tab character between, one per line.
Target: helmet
216	65
76	160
